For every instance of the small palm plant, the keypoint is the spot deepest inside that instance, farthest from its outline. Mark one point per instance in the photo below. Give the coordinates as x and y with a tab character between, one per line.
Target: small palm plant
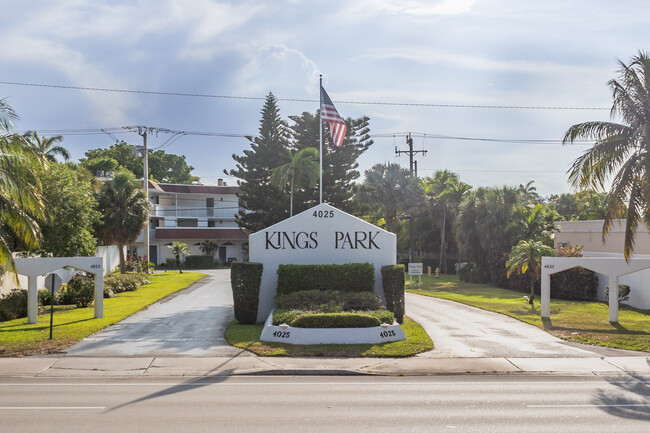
179	249
525	257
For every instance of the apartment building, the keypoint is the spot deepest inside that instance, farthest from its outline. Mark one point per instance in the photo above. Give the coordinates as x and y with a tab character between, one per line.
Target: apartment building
192	214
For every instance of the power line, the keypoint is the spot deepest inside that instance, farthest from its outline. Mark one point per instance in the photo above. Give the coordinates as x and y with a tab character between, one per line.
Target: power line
260	98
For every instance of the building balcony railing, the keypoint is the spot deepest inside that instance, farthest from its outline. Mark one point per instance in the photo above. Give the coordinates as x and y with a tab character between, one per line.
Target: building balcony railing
192	212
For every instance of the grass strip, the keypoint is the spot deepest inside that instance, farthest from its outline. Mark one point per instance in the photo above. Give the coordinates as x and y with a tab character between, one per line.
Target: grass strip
18	338
578	321
248	337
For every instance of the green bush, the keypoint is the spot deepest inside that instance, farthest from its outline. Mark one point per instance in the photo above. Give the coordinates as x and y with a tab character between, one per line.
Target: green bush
199	262
392	277
328	301
118	283
13	305
317	319
576	284
44	297
360	301
80	290
245	280
350	277
623	293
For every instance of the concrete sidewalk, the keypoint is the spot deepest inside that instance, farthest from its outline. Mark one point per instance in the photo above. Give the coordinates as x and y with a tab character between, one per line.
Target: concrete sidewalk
86	367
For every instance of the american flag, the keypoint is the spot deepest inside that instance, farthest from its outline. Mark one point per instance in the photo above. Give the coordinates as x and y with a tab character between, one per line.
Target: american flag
331	116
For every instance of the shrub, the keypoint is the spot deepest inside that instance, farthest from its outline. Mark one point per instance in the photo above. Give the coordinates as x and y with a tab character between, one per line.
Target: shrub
281	316
13	305
306	299
392	277
118	283
576	284
361	301
335	320
45	297
245	280
80	290
350	277
623	293
199	262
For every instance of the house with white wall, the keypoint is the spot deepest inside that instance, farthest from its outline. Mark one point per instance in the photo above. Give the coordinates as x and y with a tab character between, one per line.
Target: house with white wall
192	214
590	235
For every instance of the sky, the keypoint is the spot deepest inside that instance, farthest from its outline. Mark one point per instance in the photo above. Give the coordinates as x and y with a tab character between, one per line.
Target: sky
559	53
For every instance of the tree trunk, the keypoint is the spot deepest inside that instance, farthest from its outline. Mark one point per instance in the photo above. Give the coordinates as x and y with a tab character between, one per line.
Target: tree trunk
122	261
178	263
532	290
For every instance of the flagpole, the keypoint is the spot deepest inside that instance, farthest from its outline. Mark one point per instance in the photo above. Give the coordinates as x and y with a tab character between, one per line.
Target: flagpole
320	122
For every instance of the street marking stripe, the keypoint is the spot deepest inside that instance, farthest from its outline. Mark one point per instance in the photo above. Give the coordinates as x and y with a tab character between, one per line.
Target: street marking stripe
589	382
52	407
587	405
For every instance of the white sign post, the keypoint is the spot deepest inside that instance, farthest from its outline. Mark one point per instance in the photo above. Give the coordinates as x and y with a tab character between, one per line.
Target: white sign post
415	269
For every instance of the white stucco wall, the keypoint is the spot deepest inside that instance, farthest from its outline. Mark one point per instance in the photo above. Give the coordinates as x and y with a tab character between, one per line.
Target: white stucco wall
320	235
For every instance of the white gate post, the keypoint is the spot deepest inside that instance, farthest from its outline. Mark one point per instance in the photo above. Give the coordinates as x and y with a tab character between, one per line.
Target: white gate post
546	294
99	295
32	299
613	298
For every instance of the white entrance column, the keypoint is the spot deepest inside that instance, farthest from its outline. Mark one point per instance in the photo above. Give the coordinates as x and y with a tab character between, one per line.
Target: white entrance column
32	299
99	295
546	294
613	298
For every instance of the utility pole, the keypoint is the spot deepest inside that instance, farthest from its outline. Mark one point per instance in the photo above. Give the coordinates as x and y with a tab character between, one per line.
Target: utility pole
413	167
142	131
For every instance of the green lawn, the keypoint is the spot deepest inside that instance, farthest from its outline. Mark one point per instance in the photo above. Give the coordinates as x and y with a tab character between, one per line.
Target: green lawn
248	337
582	322
72	324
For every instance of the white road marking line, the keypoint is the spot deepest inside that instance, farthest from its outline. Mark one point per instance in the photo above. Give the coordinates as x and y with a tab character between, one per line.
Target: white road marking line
52	407
587	405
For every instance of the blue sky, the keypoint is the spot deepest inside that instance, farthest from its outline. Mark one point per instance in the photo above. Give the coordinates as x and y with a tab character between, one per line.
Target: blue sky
466	52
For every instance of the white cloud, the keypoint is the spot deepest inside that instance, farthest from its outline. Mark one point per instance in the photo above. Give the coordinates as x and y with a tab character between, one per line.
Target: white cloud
418	8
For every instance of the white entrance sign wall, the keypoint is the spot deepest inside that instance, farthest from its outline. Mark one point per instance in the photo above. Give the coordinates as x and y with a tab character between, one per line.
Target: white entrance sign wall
33	267
320	235
612	267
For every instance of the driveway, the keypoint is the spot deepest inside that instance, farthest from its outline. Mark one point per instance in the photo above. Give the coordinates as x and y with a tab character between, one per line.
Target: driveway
189	323
458	330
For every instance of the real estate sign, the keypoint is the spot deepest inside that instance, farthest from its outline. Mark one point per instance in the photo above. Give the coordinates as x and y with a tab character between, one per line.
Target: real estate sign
320	235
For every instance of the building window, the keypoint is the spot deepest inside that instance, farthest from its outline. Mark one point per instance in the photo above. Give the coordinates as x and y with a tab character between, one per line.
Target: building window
184	222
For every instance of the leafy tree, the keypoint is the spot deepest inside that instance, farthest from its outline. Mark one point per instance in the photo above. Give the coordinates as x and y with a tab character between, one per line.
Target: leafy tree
393	191
339	163
46	146
68	229
583	205
302	171
209	247
526	257
125	209
163	167
265	203
179	249
621	150
21	200
533	223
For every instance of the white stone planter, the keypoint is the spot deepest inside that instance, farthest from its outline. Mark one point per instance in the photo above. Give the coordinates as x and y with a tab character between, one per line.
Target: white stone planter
291	335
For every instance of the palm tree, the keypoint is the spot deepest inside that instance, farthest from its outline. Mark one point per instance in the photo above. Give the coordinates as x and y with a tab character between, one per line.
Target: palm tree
526	257
124	210
21	200
179	249
46	147
533	222
621	150
301	171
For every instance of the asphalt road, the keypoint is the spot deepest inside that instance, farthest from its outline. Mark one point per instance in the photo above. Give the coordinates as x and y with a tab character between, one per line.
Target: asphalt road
328	404
189	323
459	330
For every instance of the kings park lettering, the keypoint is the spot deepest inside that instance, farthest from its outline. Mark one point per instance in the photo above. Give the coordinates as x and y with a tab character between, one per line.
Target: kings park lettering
309	240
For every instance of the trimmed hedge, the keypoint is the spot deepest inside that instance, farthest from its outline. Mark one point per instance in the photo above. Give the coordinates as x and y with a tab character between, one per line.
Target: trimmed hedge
315	319
392	277
117	283
199	262
350	277
80	291
13	305
245	280
328	301
575	284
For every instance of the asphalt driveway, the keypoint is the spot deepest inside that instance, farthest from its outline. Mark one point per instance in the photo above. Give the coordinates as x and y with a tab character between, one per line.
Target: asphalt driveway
189	323
458	330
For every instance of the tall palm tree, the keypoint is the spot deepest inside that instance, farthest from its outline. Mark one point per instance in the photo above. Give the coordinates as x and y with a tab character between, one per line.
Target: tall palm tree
526	257
301	171
125	209
179	249
621	150
21	200
46	146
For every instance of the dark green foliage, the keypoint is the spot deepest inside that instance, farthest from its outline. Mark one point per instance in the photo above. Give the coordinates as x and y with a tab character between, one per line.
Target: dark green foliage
576	284
623	293
45	297
392	277
470	273
80	290
245	279
118	283
13	305
199	262
335	320
328	301
281	316
350	277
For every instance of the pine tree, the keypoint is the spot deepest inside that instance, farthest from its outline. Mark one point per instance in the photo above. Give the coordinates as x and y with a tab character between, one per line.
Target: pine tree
266	204
339	163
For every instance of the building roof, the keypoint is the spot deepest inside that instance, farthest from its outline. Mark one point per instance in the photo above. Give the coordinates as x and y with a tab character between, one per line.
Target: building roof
201	233
192	189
